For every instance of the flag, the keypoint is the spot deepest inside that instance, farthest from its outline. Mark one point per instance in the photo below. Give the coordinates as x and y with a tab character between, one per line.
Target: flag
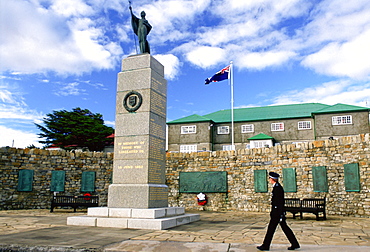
221	75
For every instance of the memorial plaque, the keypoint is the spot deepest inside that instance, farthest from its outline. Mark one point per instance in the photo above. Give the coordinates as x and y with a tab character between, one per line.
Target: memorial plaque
57	181
352	177
320	179
289	176
88	181
260	181
25	179
206	182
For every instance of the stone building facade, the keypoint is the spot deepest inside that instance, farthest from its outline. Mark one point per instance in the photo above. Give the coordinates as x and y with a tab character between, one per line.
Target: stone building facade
240	166
284	124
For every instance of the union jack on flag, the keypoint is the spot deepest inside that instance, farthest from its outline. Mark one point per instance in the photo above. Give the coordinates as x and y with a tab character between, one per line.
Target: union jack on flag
221	75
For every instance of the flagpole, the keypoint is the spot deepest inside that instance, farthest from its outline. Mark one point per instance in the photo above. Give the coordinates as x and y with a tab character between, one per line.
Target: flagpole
232	104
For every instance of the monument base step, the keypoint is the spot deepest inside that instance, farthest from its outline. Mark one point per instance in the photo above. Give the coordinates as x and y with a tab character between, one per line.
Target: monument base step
152	218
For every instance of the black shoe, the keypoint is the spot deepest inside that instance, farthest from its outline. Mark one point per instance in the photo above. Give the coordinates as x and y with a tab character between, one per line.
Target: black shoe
294	247
263	248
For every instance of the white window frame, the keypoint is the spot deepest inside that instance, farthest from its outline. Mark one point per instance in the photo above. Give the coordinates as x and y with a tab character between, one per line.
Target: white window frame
247	128
192	129
341	120
223	130
187	148
260	143
228	147
277	126
304	125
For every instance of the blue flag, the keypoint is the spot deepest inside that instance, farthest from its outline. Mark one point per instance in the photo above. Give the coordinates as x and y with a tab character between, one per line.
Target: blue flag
221	75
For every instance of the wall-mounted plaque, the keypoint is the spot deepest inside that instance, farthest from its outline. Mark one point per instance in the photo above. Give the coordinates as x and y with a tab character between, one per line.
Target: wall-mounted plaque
206	182
88	181
320	179
352	177
289	179
260	181
57	181
25	179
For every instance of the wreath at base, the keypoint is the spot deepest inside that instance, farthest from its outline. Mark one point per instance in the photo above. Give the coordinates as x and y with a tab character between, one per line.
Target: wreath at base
202	199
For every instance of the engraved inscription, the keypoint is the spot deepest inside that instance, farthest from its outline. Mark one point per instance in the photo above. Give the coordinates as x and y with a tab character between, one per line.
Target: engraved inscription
158	104
157	148
158	193
156	85
131	147
155	172
157	129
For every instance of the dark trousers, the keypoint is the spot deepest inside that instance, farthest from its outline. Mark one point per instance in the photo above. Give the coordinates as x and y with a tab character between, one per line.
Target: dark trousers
274	221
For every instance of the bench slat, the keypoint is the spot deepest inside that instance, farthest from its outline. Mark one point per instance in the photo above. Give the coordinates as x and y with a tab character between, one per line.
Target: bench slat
74	201
313	205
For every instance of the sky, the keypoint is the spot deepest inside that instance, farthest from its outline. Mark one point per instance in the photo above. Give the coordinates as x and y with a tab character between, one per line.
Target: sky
62	54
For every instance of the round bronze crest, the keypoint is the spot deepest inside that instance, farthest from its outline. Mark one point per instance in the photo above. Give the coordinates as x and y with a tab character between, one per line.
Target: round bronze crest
132	101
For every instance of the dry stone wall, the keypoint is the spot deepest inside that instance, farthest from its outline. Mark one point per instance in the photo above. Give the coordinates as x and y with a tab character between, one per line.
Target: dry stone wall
240	166
43	162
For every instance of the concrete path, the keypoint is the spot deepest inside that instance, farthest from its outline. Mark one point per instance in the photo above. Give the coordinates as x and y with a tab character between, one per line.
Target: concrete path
40	230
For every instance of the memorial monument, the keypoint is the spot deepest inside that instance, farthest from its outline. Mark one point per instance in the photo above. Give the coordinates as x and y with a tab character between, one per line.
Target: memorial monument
138	196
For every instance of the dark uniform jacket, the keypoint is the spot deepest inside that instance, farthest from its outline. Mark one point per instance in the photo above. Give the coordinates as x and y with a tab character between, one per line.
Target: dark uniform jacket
277	201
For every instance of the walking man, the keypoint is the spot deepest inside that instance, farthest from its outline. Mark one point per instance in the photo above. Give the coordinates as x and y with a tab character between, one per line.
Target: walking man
277	216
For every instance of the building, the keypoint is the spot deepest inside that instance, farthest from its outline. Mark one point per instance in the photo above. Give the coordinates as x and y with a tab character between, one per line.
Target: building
266	126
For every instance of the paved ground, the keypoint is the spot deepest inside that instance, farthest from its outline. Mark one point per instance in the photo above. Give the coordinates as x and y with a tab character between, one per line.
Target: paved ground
40	230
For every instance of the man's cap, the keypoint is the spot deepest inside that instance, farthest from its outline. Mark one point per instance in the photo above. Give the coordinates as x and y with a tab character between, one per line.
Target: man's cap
274	175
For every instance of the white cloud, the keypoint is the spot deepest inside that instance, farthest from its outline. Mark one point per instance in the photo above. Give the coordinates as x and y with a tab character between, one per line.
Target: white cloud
262	60
69	8
333	92
206	56
70	89
348	59
36	40
17	138
171	65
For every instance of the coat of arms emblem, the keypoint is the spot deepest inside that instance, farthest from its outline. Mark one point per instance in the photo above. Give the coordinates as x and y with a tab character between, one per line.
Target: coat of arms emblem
132	101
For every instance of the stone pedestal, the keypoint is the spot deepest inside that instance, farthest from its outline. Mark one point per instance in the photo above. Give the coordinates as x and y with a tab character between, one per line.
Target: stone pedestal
138	196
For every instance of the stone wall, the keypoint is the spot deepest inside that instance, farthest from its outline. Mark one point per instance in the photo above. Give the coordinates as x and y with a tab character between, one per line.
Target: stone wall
43	162
240	166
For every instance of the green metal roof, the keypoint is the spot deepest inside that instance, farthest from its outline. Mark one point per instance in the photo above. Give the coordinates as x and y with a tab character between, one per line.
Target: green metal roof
190	119
277	112
260	136
266	113
341	108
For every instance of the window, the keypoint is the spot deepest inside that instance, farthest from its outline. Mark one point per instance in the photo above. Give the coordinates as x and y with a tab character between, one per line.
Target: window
222	130
338	120
259	144
188	148
304	125
247	128
189	129
228	147
277	126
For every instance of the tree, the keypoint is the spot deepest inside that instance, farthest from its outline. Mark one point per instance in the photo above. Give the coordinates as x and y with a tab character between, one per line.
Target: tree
76	128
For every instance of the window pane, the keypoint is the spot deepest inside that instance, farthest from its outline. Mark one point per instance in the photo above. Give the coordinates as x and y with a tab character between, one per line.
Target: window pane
304	125
338	120
247	128
223	130
188	148
277	126
188	129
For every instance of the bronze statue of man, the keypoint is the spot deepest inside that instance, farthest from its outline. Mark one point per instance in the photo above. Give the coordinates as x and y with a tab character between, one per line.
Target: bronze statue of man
141	28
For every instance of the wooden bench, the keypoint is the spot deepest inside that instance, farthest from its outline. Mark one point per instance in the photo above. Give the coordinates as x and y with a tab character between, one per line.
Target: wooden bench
315	206
74	201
